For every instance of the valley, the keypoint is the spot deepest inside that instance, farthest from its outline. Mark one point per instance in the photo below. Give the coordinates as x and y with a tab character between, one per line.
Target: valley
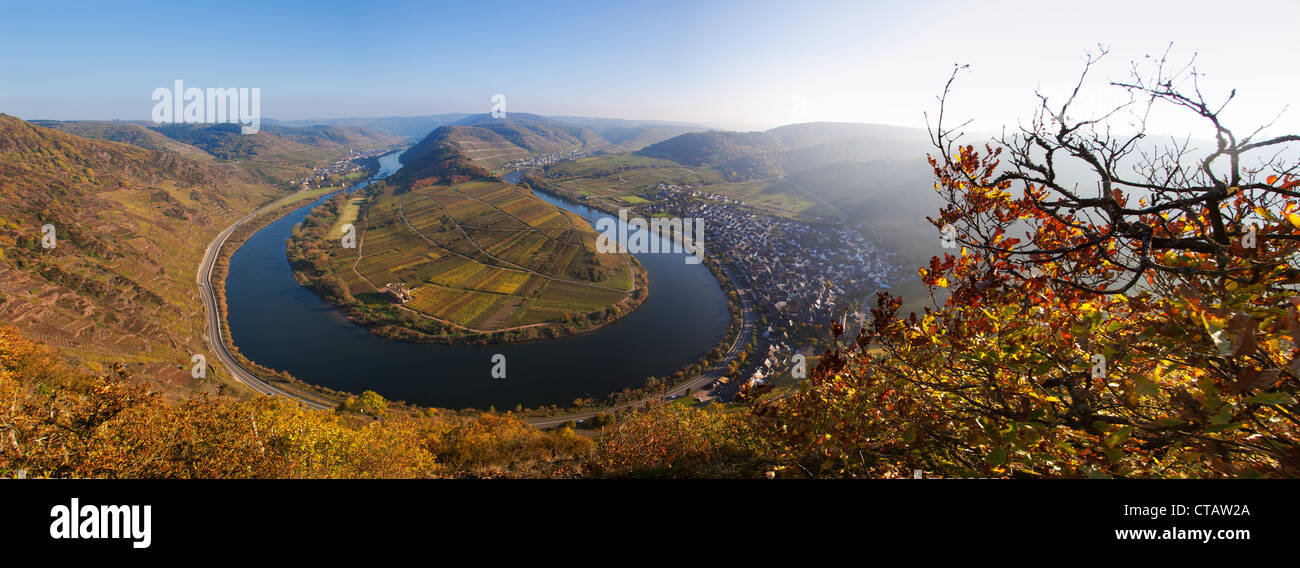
446	252
640	240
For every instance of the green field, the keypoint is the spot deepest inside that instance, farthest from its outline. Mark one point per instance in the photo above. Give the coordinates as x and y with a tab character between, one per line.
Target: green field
351	209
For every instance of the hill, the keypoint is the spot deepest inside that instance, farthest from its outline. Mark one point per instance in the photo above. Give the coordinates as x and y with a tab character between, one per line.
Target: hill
439	157
630	135
133	133
491	142
712	148
741	156
130	226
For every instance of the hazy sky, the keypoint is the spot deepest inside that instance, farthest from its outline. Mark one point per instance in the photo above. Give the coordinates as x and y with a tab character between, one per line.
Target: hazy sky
720	63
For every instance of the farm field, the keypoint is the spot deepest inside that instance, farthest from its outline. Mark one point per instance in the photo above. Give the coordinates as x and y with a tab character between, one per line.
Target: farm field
349	214
483	255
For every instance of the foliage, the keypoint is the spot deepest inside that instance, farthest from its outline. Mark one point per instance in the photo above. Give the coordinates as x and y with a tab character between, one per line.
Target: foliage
111	426
668	440
1113	340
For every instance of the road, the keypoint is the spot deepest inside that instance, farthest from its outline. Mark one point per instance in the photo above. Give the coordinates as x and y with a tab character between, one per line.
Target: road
747	321
217	347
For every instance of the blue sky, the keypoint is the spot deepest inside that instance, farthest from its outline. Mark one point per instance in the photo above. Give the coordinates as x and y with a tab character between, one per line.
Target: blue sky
751	63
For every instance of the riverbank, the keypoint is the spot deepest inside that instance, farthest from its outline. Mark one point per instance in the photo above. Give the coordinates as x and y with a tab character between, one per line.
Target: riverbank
282	325
221	268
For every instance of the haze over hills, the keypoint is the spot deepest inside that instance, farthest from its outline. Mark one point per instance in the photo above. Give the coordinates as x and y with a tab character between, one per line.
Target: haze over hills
493	141
751	155
630	135
410	128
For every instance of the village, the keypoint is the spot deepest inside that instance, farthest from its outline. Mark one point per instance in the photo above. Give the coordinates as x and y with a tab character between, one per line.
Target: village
325	176
801	277
543	160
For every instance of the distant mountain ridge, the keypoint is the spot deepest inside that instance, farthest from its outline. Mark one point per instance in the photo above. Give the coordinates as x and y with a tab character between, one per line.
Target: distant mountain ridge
409	128
740	156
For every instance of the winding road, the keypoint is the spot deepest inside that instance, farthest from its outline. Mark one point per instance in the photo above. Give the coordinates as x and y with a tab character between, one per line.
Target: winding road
213	324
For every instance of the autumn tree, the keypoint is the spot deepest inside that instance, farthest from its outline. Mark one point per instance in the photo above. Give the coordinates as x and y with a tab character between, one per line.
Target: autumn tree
1115	306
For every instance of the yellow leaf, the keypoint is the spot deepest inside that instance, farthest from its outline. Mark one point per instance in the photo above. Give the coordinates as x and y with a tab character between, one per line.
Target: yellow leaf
941	282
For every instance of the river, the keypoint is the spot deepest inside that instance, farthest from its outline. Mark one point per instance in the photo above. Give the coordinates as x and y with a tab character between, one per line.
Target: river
278	323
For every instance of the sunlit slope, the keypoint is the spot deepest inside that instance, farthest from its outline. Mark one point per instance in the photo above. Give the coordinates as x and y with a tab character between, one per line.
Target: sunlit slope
130	226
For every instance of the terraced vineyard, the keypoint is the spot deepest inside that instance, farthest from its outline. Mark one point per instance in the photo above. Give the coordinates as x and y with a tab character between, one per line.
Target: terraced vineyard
479	257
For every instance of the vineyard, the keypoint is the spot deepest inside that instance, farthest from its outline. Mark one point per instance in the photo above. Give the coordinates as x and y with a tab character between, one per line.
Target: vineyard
482	255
